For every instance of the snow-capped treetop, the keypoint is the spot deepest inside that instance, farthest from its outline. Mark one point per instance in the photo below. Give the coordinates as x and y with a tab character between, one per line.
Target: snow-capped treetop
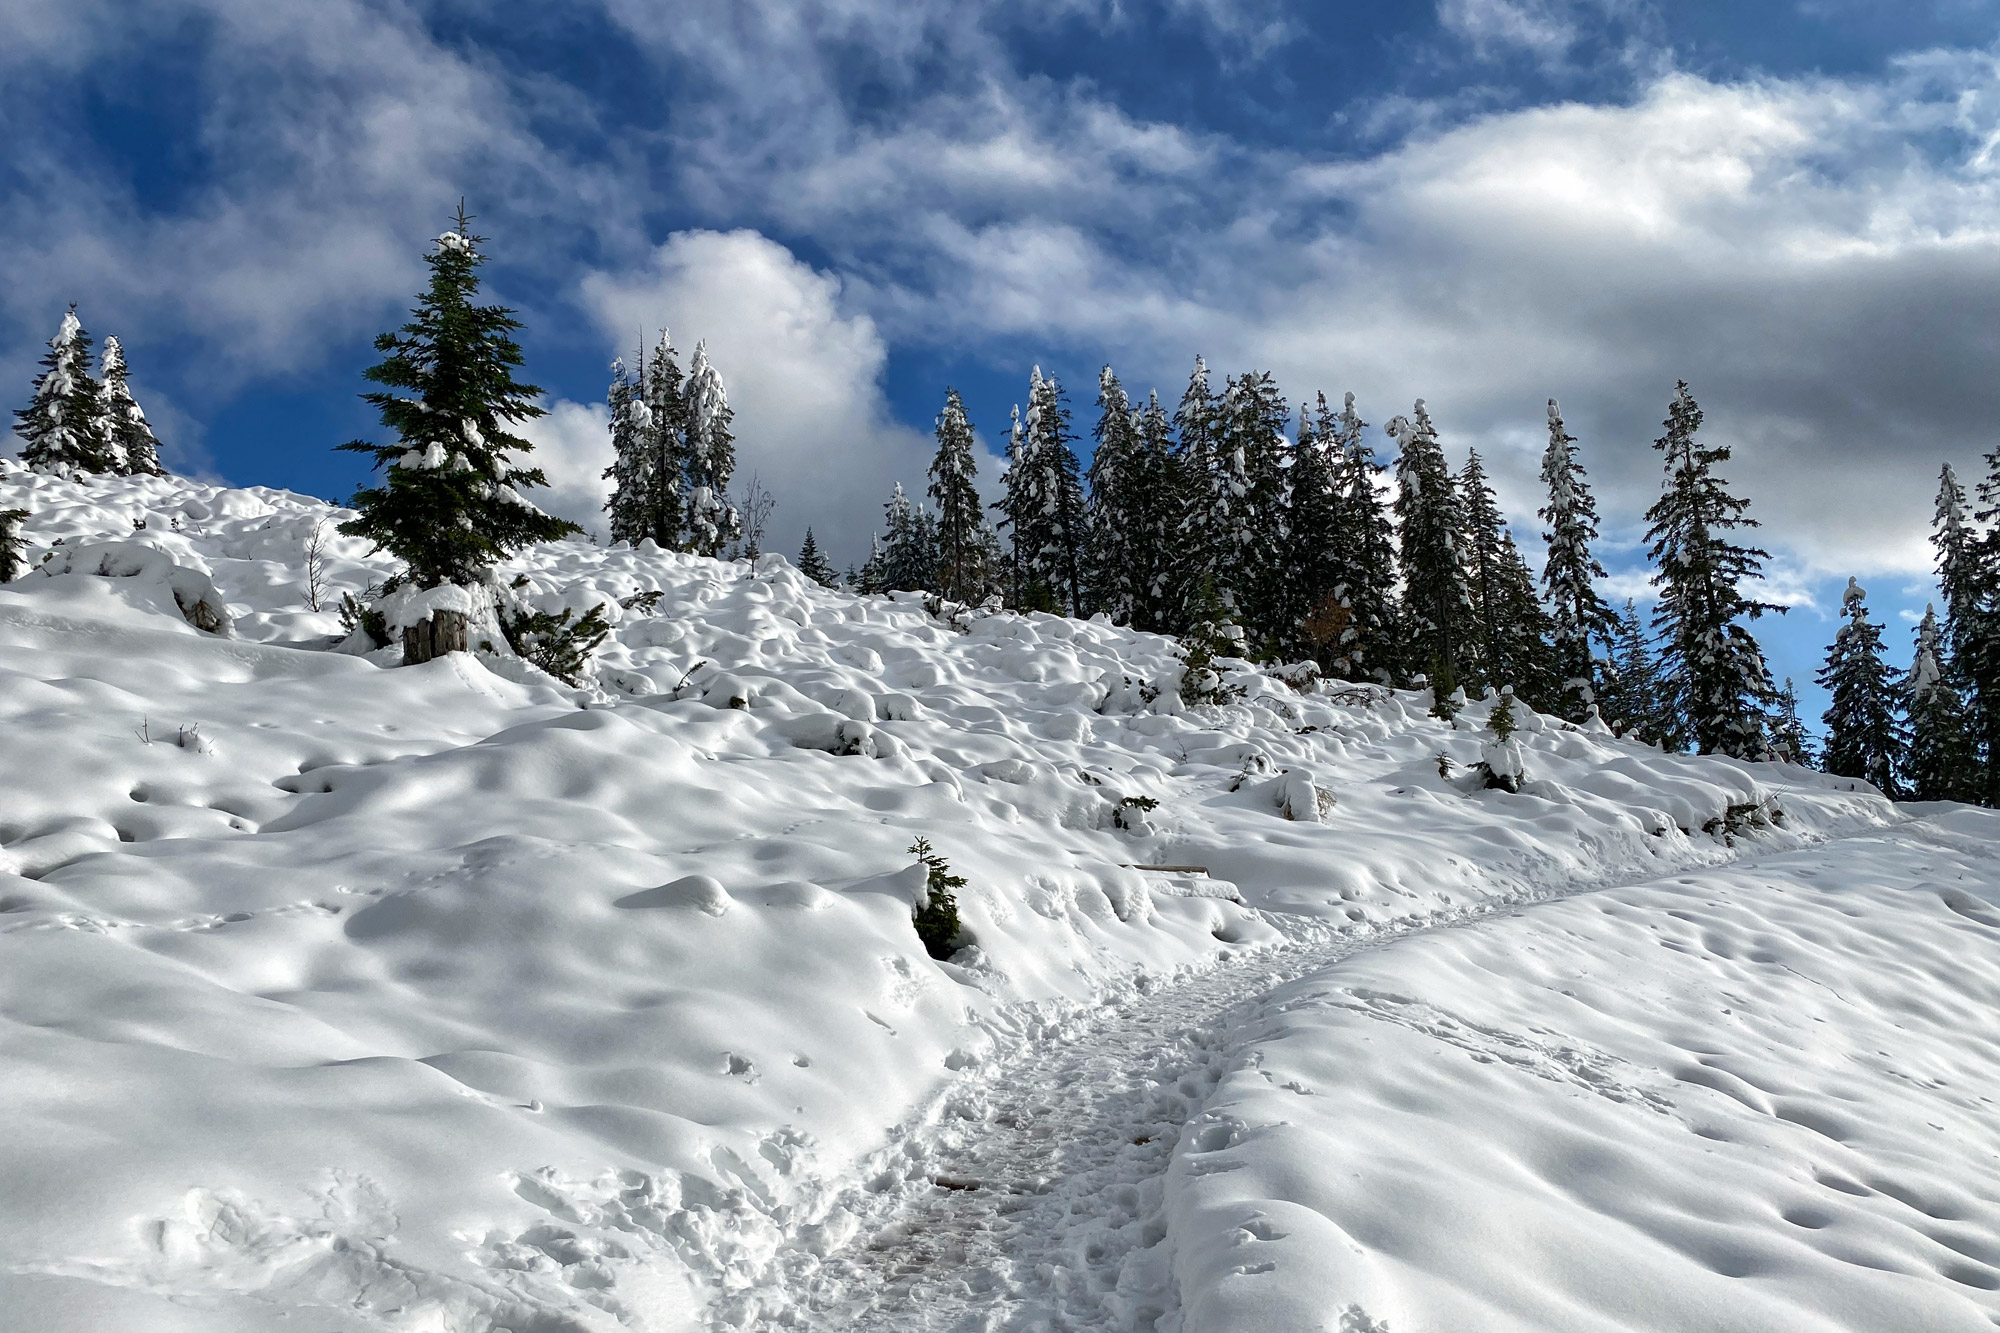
62	428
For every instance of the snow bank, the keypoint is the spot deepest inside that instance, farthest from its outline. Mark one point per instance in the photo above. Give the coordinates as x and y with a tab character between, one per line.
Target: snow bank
451	994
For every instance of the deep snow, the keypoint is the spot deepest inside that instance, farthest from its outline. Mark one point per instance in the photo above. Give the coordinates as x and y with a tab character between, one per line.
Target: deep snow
449	997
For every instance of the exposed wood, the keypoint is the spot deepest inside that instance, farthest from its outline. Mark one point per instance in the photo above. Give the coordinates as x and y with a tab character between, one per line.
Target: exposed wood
440	633
1173	870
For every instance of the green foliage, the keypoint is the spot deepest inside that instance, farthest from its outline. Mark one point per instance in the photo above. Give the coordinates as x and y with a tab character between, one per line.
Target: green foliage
936	917
550	640
814	565
1445	702
12	547
449	505
1211	637
354	615
1501	720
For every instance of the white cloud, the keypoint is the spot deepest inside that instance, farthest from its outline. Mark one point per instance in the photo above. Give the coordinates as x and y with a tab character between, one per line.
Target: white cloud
572	447
1534	26
804	377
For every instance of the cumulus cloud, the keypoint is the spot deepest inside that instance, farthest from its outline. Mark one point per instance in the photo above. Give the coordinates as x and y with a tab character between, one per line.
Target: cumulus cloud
804	376
572	447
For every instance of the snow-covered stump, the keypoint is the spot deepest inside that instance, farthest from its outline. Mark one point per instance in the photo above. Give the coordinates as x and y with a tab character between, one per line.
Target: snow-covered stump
435	635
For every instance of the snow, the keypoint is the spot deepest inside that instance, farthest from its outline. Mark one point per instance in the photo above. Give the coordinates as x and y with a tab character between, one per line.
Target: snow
451	997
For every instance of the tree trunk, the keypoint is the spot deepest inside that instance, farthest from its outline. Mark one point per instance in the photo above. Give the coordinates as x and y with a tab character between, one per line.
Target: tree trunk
443	632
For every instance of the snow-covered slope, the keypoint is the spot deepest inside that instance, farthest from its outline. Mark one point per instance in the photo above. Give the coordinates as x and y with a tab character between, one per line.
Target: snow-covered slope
451	997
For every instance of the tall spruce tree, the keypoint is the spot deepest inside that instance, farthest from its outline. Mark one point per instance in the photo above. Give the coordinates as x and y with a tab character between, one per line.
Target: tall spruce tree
1438	614
1485	527
1578	616
814	565
1722	686
1115	574
1975	582
1789	740
663	391
909	555
1863	738
1938	761
1636	701
1517	651
1197	450
1157	490
1317	618
129	443
962	544
1044	504
1365	573
1249	508
634	470
61	428
711	458
450	503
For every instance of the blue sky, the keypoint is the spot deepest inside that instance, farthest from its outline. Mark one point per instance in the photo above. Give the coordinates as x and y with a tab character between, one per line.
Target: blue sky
1484	203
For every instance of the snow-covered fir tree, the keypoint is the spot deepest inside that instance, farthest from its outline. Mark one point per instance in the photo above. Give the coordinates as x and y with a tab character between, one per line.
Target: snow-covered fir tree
1438	618
634	470
814	565
1721	685
1578	616
1197	435
908	560
1969	577
1318	617
1938	759
1364	577
1248	505
1043	504
662	390
1116	575
1789	739
13	546
61	428
871	578
1158	490
710	459
1863	737
449	505
1484	528
129	443
962	542
1516	650
1635	700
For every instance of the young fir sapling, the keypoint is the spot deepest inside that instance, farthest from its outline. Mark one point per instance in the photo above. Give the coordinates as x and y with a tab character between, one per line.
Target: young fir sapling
936	917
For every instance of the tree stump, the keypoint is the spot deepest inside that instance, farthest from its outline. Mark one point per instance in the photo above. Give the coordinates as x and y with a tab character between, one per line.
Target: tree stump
440	633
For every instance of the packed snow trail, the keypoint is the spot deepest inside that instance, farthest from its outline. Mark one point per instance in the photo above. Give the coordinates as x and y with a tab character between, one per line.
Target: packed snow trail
1033	1203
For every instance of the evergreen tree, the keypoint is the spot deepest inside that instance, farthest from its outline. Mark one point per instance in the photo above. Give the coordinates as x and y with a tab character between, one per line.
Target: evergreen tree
1248	506
61	429
1958	571
1863	738
1316	616
1156	491
633	472
128	440
1116	576
663	392
1437	605
1197	430
1484	527
450	505
1969	577
711	458
1517	652
13	547
1788	734
1938	763
813	564
962	543
908	558
1721	683
1577	614
1043	502
1364	574
1635	702
872	578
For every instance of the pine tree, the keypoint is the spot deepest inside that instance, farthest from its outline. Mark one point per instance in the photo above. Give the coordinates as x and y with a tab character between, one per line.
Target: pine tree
1969	577
1517	651
962	544
128	440
1116	576
872	578
1577	614
1364	574
61	429
1437	606
711	458
1157	490
1938	762
1484	527
1635	701
1316	616
909	558
663	392
813	564
13	547
1789	740
1043	502
1248	506
1863	738
450	505
1197	431
1721	683
633	473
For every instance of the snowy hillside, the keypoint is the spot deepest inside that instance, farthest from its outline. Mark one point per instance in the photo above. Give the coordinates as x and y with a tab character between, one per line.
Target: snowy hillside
449	997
